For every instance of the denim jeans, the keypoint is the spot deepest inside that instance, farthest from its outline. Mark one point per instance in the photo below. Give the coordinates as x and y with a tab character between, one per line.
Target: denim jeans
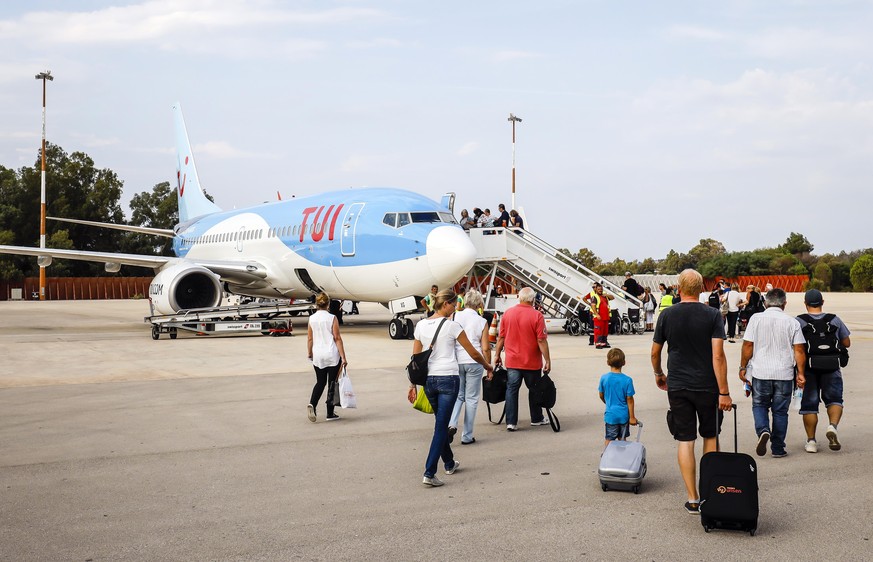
468	398
776	396
442	393
513	384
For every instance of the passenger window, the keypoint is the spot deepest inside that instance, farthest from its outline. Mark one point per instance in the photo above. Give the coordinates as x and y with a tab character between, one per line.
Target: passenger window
390	219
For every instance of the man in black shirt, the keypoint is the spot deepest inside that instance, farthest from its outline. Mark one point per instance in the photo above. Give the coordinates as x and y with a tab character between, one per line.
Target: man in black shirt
631	286
503	219
696	377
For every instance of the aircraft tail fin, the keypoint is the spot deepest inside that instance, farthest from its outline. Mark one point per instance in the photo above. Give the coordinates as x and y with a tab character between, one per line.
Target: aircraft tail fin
192	199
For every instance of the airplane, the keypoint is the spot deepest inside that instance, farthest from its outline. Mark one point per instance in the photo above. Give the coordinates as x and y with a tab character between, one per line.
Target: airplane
382	245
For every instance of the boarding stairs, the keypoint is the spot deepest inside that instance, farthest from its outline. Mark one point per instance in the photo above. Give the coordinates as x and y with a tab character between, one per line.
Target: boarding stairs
560	280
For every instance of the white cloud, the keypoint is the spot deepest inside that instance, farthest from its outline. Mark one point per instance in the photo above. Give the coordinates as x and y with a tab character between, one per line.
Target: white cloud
200	26
468	148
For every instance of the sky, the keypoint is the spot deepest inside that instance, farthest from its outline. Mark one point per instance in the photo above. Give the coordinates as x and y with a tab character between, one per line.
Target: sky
647	126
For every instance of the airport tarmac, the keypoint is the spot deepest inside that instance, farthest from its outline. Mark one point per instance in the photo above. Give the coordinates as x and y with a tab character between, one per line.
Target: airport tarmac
114	446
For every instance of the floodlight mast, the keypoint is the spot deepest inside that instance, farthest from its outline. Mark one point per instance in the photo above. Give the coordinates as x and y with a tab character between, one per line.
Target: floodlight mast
44	76
513	119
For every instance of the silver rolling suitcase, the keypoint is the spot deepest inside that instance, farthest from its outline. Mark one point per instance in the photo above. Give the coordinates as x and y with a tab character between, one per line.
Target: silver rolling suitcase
623	465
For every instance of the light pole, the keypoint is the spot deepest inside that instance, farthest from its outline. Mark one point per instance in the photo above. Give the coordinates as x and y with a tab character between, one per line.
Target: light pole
513	119
47	75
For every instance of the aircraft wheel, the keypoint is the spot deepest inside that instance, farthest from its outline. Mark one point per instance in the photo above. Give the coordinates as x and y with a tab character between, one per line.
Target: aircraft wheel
156	332
410	329
173	333
395	329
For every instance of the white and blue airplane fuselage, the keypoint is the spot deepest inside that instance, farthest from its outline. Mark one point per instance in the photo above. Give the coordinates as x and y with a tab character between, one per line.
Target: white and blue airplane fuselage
369	244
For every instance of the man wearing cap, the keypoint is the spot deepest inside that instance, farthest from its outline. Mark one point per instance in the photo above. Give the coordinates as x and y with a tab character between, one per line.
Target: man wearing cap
772	345
822	386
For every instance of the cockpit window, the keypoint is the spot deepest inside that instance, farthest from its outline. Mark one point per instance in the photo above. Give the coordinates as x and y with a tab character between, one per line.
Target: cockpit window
428	216
390	219
402	219
447	217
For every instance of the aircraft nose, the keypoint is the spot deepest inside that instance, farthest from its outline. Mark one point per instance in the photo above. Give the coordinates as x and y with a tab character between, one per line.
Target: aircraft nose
450	254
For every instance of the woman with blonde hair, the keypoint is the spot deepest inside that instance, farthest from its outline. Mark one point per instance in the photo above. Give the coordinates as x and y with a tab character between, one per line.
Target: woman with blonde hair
442	383
326	352
470	372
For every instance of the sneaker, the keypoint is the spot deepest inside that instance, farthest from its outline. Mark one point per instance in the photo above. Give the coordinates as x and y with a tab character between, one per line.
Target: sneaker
332	417
432	481
452	432
780	454
310	412
452	470
544	421
833	440
693	508
811	446
761	449
470	442
511	427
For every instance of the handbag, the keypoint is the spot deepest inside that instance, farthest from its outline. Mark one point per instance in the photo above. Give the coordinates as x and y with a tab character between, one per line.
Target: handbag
417	368
347	393
422	404
494	392
544	395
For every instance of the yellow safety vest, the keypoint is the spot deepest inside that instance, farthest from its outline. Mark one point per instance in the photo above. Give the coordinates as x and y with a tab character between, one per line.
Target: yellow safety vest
666	302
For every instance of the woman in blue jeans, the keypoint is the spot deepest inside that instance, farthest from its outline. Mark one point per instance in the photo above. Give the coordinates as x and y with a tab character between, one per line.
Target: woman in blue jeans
442	383
470	372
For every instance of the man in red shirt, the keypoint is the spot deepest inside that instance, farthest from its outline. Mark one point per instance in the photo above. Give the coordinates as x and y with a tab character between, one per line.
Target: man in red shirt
523	335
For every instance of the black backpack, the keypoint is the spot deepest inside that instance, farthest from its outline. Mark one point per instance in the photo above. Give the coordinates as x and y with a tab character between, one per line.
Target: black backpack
544	395
714	301
824	353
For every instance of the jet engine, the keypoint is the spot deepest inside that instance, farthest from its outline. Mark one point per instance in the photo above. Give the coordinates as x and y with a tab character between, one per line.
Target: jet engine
184	286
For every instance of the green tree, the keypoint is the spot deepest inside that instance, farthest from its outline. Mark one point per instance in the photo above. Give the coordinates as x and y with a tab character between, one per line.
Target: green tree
704	251
862	273
797	244
155	209
676	262
823	274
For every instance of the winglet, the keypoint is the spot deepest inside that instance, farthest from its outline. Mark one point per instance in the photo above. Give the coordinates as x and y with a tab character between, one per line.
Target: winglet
192	200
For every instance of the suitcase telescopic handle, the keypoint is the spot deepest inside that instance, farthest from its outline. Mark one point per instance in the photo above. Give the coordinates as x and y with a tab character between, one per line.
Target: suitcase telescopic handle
718	429
639	430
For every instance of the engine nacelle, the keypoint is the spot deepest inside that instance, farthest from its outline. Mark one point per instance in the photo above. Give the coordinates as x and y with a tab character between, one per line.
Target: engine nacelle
184	286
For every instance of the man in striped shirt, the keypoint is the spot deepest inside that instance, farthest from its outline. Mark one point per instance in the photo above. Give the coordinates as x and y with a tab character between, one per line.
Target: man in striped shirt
772	346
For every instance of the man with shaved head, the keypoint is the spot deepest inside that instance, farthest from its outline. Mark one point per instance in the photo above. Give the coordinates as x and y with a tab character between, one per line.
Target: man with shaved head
523	335
696	376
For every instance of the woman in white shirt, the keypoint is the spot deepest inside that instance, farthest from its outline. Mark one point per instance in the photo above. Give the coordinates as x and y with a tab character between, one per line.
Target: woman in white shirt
442	383
734	301
325	348
470	372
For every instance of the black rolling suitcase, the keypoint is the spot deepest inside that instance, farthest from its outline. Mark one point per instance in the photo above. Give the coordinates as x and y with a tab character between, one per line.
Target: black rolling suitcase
729	490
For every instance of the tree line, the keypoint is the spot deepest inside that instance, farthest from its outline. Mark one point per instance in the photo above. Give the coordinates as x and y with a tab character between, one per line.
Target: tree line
845	271
76	188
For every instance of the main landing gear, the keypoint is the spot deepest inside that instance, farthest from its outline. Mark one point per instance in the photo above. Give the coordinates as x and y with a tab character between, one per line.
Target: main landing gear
400	328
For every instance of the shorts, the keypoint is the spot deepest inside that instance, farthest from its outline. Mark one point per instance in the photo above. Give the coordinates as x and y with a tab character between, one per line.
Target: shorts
617	431
689	406
828	386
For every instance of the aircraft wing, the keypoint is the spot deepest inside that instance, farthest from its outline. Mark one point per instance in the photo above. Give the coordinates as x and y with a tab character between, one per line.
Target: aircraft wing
105	257
233	271
166	232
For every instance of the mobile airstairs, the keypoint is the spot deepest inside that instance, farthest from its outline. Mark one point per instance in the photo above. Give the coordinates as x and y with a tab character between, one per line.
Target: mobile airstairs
560	281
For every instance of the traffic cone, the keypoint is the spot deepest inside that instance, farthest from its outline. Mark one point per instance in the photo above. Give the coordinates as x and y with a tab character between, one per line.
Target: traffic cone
492	331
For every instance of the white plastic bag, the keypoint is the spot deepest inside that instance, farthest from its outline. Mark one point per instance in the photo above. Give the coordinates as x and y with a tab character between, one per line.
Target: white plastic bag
796	399
347	393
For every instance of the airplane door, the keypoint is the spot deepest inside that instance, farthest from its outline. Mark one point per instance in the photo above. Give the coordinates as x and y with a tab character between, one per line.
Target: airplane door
350	223
239	239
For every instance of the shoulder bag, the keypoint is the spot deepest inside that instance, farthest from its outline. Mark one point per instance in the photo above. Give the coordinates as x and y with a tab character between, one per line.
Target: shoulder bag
417	368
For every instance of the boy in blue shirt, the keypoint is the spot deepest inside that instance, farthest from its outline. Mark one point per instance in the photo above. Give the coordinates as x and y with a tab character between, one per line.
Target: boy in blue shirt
617	392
